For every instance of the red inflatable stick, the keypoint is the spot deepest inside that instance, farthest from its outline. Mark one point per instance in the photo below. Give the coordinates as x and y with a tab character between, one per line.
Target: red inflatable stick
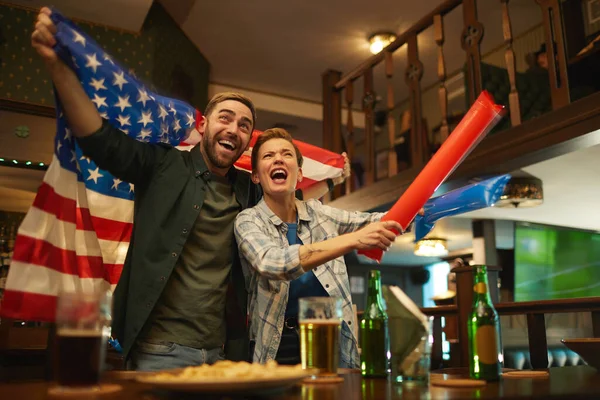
475	125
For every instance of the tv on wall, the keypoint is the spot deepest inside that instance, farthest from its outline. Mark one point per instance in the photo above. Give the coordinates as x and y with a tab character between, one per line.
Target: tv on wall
555	263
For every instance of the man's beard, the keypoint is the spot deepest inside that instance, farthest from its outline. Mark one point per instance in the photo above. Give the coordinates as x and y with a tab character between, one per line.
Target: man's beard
211	153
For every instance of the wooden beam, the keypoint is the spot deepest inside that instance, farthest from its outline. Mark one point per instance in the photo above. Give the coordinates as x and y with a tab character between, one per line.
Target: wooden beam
332	117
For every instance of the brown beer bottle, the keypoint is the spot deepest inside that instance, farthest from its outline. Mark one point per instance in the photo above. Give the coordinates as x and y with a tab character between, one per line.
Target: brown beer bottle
484	331
374	336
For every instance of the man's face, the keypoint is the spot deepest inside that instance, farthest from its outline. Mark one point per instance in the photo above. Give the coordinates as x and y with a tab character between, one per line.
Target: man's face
226	133
277	168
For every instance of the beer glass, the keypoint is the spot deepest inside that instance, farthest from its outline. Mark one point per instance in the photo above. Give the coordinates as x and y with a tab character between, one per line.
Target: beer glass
82	331
320	326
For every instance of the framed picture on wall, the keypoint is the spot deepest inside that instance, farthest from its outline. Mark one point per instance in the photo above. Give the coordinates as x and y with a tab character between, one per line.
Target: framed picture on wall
593	11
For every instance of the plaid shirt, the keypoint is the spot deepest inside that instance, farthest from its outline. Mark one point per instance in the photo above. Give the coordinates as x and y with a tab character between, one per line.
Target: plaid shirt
269	263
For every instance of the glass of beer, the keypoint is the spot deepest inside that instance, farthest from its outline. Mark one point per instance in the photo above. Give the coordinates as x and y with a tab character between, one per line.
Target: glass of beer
320	325
82	331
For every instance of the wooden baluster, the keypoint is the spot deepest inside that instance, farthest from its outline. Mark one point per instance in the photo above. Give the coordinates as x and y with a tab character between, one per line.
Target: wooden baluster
438	24
437	351
391	122
332	118
555	50
349	133
471	40
596	323
368	104
538	346
412	77
509	57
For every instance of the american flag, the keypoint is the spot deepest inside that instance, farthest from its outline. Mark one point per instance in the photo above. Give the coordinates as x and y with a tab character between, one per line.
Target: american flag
76	234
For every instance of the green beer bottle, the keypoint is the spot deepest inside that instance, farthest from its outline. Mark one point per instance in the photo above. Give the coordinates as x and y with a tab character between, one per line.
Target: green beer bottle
374	336
483	331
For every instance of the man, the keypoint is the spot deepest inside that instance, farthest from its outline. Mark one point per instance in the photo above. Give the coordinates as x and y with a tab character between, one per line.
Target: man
169	305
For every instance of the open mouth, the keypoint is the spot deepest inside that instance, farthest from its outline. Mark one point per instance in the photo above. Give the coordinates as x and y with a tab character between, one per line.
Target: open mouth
279	175
227	145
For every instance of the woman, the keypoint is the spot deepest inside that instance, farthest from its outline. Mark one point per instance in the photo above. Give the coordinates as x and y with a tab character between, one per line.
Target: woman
292	249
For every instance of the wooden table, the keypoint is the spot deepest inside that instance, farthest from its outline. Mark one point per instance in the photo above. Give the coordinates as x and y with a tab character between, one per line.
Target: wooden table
579	382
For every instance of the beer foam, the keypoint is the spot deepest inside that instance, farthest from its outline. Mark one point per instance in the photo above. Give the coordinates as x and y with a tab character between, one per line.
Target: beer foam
70	332
321	321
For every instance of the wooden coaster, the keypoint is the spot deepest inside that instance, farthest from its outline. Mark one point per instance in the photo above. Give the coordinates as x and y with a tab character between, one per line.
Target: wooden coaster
458	383
104	388
525	374
324	380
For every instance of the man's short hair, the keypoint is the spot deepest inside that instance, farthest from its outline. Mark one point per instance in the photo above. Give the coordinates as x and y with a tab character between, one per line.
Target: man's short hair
221	97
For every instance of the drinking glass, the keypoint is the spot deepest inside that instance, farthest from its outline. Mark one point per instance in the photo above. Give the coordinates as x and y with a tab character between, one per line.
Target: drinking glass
320	327
82	331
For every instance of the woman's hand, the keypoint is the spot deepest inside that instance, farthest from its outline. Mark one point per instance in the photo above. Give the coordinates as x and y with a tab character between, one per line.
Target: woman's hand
376	235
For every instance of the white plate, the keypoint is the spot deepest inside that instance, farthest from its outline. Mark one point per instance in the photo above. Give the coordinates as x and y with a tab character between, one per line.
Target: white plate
226	386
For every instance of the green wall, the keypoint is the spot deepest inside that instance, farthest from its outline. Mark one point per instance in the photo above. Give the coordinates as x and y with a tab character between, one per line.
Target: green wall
160	55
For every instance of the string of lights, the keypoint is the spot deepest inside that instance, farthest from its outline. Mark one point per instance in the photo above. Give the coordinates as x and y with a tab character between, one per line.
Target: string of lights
25	164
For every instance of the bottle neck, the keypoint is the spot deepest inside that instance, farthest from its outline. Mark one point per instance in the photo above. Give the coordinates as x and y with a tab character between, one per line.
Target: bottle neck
481	292
374	295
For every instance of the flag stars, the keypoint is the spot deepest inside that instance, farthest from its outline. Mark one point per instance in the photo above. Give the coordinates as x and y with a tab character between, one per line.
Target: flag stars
67	134
176	126
94	175
131	188
92	62
143	97
99	101
78	37
58	146
162	112
145	133
98	83
86	159
119	80
108	58
190	119
116	182
73	156
123	103
146	118
124	120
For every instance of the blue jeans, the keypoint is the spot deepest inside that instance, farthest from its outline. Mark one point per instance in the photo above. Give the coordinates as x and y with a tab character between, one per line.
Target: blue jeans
147	356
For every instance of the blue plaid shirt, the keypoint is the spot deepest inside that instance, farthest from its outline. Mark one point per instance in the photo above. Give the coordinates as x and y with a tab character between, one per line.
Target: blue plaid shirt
269	263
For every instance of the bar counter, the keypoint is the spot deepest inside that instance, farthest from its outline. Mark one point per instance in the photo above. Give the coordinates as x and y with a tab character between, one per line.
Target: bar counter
580	382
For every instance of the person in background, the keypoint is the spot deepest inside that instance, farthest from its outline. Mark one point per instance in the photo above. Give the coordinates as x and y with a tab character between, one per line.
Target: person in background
291	249
175	302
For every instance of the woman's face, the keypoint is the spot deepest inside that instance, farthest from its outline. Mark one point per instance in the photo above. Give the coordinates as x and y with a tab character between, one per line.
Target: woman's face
277	168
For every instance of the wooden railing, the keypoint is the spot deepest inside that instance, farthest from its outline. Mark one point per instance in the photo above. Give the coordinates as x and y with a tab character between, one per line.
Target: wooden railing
534	311
338	87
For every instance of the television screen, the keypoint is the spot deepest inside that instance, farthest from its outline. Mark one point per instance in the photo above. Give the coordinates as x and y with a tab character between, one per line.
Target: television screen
555	263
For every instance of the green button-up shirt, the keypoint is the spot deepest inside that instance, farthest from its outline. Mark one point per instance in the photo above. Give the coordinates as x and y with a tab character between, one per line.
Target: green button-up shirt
169	192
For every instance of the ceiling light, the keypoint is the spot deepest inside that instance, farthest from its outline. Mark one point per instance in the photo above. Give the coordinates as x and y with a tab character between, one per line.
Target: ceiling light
431	247
521	192
379	41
